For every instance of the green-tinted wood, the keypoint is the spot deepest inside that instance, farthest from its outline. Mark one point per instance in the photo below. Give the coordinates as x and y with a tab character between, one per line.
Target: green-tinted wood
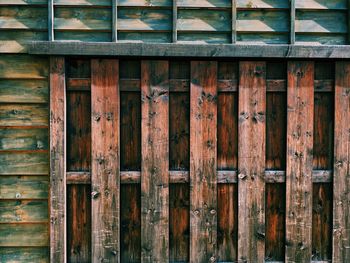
321	4
15	41
23	66
262	4
80	3
204	3
24	163
204	38
321	39
144	3
18	235
23	2
19	255
320	22
23	139
144	19
23	115
85	36
24	91
24	211
262	38
23	17
24	187
150	37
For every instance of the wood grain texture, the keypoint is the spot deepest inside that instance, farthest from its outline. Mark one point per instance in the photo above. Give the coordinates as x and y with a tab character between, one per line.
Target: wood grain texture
155	161
24	187
341	184
24	211
300	117
57	160
203	162
23	139
251	161
38	255
105	121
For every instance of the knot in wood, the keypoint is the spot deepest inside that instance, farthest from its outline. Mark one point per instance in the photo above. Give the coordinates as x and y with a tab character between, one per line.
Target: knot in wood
114	252
300	74
213	212
109	116
18	195
95	194
196	212
242	176
97	117
212	259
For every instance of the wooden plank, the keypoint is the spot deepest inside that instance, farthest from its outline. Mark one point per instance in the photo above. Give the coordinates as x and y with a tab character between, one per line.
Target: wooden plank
91	3
348	22
188	50
20	254
155	161
300	101
271	4
23	139
23	17
50	20
105	160
203	188
292	22
35	163
321	4
174	21
24	91
205	4
24	211
234	21
114	20
21	235
16	41
24	187
57	160
341	185
23	115
23	2
251	161
145	3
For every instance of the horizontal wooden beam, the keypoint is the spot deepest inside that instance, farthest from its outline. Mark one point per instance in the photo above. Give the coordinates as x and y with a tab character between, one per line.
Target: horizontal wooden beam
224	177
183	85
187	50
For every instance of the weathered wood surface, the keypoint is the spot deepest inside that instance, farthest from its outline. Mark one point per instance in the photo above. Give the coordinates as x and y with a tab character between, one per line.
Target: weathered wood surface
24	115
105	153
251	161
23	211
203	162
57	160
35	163
23	139
188	50
18	235
33	254
341	185
300	117
24	187
155	161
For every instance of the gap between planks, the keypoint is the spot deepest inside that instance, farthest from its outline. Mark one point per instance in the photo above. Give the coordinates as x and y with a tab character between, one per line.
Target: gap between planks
223	177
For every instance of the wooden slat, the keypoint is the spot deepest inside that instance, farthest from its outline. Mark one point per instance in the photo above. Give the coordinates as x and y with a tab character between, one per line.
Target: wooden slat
31	163
234	21
300	101
105	160
50	20
292	22
321	4
57	160
155	161
174	21
114	20
38	255
270	4
341	185
203	145
24	211
24	187
251	161
348	22
23	139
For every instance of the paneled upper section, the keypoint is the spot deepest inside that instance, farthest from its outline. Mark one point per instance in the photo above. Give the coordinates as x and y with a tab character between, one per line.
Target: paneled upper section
315	22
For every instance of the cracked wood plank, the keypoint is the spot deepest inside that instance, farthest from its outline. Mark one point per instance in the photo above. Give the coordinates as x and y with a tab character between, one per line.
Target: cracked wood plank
57	160
300	115
341	183
155	161
203	162
251	161
105	160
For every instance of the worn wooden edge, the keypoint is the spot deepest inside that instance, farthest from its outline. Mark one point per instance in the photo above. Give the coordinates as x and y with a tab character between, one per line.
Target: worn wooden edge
176	177
50	21
174	21
187	50
292	22
114	20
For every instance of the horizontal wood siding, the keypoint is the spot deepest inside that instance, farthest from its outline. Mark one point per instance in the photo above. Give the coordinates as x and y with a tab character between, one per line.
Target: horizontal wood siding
24	158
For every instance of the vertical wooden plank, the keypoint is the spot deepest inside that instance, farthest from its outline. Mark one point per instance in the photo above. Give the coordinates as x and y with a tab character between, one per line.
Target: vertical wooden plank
292	22
300	100
251	161
114	20
105	160
341	180
203	145
155	161
174	21
349	21
50	20
234	21
57	160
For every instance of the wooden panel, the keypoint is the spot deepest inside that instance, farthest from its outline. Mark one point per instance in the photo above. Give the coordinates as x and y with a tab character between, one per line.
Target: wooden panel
24	115
205	38
24	163
299	161
341	184
23	2
262	21
204	3
155	162
262	4
24	91
23	17
320	22
24	211
105	160
57	160
23	139
30	235
251	161
321	4
145	3
147	37
16	41
24	187
95	3
79	223
85	36
203	149
38	255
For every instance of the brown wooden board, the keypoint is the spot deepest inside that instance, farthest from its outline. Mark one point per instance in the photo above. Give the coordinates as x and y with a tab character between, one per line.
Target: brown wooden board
203	163
251	161
105	160
57	160
341	184
155	161
300	101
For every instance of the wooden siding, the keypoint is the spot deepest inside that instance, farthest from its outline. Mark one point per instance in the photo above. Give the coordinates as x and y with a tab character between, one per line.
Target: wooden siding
164	21
24	158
